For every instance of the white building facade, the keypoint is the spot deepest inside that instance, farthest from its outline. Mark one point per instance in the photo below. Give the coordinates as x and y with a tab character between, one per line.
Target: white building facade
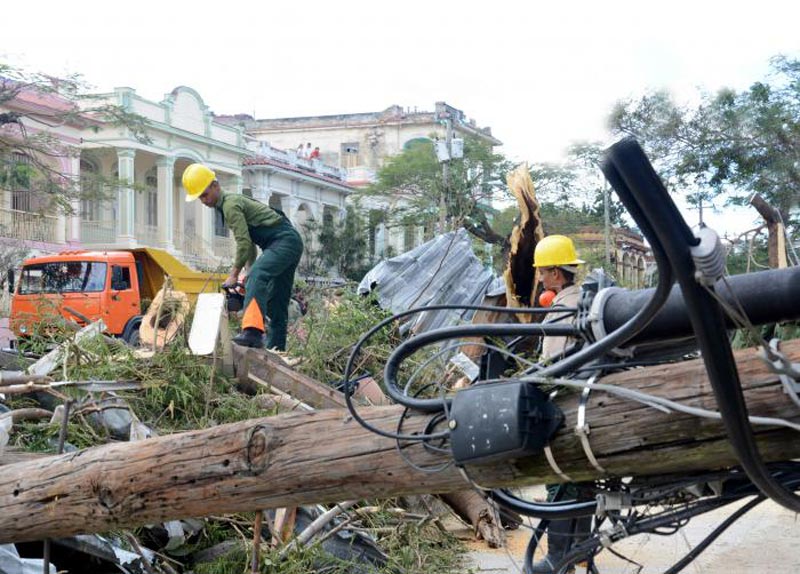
359	144
137	199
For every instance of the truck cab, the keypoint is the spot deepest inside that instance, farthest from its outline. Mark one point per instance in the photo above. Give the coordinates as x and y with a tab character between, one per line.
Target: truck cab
84	286
80	286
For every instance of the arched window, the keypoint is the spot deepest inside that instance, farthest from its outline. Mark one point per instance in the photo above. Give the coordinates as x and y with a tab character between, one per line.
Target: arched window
416	141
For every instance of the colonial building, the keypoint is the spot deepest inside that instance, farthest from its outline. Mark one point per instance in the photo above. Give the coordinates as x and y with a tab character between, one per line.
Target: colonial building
631	258
140	201
359	143
28	217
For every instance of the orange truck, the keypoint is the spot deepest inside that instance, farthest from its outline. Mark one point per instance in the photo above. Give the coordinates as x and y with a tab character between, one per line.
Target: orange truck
110	285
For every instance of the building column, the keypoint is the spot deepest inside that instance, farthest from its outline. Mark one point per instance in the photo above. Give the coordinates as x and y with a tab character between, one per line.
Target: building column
72	222
237	184
125	199
205	219
290	206
165	173
380	240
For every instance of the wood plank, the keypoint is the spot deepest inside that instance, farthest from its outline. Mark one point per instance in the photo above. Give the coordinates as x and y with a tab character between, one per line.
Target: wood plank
272	371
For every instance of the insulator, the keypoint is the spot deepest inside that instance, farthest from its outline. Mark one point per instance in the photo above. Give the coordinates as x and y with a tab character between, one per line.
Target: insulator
709	256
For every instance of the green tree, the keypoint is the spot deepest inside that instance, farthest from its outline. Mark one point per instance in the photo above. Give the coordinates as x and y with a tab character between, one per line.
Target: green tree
730	143
341	246
412	181
571	194
29	148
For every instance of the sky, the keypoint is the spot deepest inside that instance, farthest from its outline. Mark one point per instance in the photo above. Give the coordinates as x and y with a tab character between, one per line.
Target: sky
542	75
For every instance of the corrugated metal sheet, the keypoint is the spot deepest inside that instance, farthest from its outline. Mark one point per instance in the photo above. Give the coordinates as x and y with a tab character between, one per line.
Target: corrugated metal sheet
442	271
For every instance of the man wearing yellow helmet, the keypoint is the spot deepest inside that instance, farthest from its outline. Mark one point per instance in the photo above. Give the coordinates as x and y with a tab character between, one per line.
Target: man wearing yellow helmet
268	287
557	261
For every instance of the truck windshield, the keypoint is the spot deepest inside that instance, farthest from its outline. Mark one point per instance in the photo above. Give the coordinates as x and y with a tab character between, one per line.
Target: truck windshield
63	277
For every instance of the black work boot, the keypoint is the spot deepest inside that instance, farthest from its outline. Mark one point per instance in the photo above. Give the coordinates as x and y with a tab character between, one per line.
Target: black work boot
559	541
250	337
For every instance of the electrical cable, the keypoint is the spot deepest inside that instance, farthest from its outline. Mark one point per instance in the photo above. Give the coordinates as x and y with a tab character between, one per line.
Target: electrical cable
348	391
545	510
627	161
706	542
458	344
656	402
410	346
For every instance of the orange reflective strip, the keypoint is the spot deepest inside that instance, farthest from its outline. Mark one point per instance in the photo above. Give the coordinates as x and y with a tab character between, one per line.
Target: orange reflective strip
253	316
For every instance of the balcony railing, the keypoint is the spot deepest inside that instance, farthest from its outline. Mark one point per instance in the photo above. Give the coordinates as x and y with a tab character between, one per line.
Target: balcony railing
29	226
146	234
100	232
263	149
223	247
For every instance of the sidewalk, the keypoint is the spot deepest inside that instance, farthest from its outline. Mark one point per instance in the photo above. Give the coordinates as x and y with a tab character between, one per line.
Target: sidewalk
763	540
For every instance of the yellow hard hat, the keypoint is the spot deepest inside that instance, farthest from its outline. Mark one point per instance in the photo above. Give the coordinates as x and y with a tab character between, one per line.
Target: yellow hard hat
555	251
196	178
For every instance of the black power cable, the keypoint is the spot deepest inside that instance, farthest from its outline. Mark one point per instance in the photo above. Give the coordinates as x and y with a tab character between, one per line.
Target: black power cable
348	371
627	168
409	347
544	510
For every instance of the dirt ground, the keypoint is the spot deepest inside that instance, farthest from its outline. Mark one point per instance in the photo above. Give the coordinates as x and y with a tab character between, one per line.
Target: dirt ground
763	540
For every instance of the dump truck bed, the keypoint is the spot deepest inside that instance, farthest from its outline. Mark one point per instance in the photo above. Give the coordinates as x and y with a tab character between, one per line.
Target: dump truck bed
157	263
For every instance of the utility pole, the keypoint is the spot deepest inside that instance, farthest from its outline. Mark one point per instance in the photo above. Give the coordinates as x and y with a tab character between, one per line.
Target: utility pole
700	209
446	113
607	225
446	166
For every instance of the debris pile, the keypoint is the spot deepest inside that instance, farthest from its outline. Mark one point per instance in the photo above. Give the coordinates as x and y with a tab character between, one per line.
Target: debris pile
90	390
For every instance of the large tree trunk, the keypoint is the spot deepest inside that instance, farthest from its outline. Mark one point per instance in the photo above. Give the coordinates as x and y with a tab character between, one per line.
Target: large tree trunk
326	456
519	275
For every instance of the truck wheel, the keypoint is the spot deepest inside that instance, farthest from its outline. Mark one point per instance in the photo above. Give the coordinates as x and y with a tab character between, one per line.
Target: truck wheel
133	338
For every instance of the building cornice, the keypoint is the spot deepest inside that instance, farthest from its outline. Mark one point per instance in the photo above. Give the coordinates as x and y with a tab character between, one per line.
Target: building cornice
391	117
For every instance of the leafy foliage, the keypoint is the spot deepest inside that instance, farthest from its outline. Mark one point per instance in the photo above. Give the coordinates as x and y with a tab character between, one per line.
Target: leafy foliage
413	182
732	143
31	152
336	320
341	246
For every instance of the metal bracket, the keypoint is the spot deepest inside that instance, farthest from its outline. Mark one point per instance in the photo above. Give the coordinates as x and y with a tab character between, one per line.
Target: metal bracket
594	319
548	454
611	535
788	372
613	501
582	427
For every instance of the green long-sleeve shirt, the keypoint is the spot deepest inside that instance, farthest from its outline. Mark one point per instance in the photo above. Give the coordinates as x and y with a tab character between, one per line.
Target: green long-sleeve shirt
240	212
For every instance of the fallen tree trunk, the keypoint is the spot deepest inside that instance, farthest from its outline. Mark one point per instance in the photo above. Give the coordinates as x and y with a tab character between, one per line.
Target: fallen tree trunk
326	456
473	509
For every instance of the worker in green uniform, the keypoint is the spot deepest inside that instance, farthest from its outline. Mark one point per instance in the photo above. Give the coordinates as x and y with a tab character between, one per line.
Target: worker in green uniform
270	279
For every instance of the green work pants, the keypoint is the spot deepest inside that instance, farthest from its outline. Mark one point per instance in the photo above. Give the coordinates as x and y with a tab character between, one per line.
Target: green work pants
271	277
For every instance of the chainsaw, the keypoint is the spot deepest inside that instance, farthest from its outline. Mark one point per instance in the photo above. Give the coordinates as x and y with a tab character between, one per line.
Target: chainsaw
234	297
